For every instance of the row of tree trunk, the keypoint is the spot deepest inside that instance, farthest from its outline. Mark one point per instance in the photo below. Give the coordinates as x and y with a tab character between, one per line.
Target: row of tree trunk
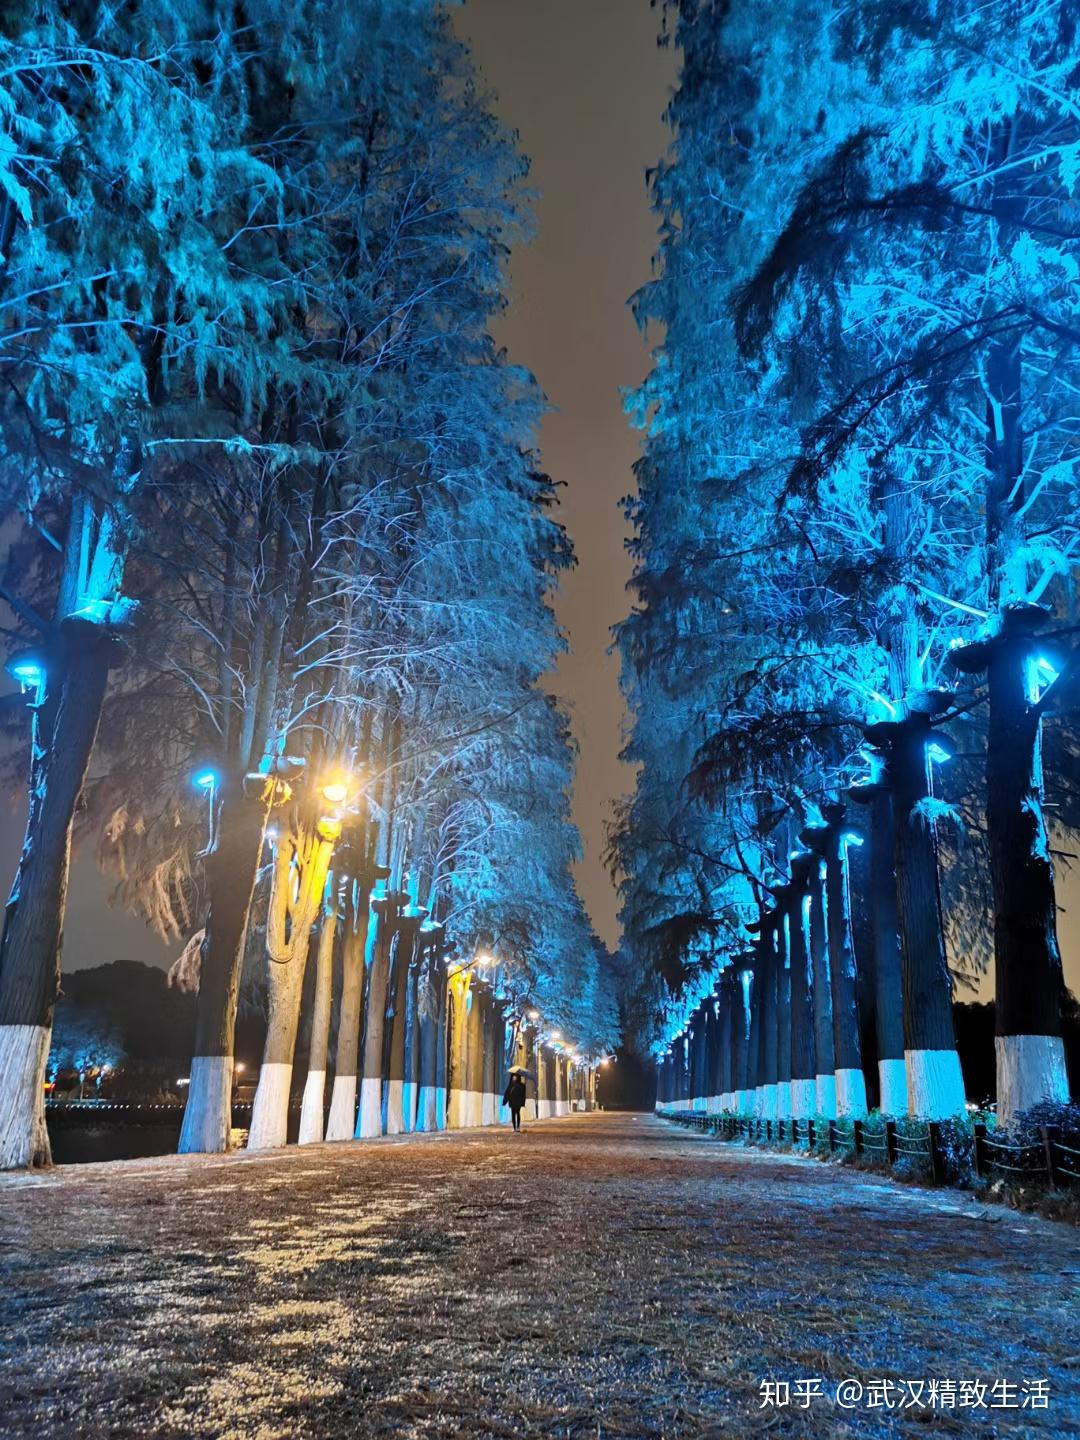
407	1041
781	1035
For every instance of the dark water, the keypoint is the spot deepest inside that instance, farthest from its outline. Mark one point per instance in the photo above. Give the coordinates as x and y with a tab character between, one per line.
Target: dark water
82	1144
79	1136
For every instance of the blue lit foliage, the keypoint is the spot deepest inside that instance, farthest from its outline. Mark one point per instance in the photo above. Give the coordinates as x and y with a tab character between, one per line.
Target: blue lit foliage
864	209
337	527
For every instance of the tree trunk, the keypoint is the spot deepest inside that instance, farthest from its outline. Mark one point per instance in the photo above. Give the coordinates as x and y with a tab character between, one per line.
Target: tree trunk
64	735
1027	961
289	923
407	927
712	1054
935	1082
889	1007
427	1016
457	1053
742	1025
803	1059
727	1058
311	1111
781	964
847	1048
342	1119
369	1119
231	871
410	1093
767	1002
824	1049
489	1114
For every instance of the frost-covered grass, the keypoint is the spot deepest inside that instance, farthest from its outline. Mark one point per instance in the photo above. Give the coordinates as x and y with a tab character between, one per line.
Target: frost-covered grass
595	1276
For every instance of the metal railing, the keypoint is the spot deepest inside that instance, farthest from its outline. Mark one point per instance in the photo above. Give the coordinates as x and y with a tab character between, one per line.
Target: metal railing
1049	1160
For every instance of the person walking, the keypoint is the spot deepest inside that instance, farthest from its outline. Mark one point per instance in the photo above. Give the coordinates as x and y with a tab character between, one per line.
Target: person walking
514	1096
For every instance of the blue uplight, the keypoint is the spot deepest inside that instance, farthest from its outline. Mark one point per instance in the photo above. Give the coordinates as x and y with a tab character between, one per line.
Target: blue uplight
28	672
937	754
206	779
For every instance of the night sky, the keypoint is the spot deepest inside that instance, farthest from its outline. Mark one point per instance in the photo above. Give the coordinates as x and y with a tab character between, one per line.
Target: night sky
585	85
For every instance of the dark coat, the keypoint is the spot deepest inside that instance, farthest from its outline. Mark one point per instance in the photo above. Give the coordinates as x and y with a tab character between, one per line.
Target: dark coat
514	1094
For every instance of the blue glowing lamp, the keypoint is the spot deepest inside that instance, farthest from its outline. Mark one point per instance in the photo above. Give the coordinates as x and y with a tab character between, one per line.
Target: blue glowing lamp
851	837
27	668
205	779
937	753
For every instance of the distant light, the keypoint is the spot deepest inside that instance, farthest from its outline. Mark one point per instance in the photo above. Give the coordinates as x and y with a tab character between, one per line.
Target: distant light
184	1080
849	837
335	792
534	1014
239	1067
1047	667
556	1035
483	959
937	754
206	779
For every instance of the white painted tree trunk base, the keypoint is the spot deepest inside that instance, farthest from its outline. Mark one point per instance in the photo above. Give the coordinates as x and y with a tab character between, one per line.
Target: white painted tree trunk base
1030	1071
700	1104
850	1095
892	1076
311	1110
342	1118
767	1101
369	1120
440	1107
783	1100
826	1096
426	1110
487	1109
270	1112
395	1115
409	1090
24	1140
545	1109
935	1084
803	1099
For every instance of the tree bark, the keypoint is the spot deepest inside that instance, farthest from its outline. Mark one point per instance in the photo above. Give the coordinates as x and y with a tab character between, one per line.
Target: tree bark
311	1111
1027	961
342	1119
803	1059
64	733
231	871
369	1119
847	1047
935	1082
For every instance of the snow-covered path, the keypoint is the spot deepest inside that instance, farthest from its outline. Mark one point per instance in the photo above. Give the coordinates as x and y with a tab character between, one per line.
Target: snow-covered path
594	1276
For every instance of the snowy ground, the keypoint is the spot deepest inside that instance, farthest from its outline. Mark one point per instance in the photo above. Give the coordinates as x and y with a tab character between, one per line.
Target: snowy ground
594	1276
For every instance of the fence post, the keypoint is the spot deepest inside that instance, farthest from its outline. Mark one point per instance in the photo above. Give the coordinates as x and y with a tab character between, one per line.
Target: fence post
1049	1135
810	1134
934	1137
856	1135
892	1150
832	1137
980	1149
